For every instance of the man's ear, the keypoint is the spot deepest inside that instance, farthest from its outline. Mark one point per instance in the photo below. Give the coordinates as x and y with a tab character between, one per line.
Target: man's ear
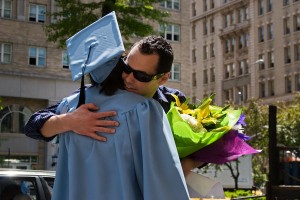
164	78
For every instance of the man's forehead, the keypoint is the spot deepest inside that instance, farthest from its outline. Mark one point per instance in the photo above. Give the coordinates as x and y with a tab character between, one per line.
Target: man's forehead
143	62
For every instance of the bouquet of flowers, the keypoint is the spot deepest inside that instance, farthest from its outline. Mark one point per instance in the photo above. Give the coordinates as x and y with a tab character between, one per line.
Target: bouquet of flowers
208	133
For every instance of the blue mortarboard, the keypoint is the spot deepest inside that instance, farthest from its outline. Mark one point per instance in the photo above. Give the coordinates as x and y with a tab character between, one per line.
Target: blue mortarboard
95	49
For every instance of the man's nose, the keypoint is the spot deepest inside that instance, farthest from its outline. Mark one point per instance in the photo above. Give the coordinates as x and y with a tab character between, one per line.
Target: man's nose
129	77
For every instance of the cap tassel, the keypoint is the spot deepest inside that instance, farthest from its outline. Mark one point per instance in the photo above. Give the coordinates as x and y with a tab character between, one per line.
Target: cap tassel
82	91
82	86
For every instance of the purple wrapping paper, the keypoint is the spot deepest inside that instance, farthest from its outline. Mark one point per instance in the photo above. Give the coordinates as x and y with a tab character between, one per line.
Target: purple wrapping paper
228	148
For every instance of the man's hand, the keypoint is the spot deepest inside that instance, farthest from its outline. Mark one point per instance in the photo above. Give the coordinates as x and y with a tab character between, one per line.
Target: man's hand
188	164
83	121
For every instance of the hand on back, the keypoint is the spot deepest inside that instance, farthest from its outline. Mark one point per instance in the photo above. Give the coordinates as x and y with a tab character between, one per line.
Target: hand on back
87	120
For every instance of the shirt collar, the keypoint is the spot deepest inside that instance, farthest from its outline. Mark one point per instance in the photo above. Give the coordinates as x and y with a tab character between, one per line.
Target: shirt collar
159	95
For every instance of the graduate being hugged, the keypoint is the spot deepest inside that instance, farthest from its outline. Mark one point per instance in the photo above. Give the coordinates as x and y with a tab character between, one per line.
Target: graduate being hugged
140	160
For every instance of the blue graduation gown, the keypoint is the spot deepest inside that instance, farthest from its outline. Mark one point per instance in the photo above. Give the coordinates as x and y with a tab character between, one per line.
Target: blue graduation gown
139	161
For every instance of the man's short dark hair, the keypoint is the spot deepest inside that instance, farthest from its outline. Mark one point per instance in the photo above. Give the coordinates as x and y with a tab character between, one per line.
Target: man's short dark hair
160	46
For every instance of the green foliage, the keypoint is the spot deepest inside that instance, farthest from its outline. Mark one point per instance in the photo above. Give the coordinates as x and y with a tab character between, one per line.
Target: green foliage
288	122
241	193
257	127
1	104
237	193
257	120
133	17
288	129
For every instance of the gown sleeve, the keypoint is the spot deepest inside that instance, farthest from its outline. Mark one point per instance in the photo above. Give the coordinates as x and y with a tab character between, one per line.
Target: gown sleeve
156	162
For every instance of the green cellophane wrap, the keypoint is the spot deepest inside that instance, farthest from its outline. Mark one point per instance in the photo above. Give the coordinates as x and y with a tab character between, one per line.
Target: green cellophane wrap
187	141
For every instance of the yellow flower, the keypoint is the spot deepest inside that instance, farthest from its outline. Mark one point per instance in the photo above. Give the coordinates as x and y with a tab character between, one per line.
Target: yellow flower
181	106
201	114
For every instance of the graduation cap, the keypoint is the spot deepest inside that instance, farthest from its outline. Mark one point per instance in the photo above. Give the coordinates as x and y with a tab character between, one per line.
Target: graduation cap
95	49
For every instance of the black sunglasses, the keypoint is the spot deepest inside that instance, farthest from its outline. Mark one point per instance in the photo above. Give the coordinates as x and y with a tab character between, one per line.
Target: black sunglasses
139	75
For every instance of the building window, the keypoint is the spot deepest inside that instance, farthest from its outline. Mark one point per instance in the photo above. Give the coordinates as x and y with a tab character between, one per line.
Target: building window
212	74
170	32
228	20
37	13
205	77
5	53
194	58
270	5
270	31
271	59
171	4
194	79
194	11
261	7
246	39
271	87
241	15
6	8
297	52
232	44
227	45
212	50
261	34
65	60
285	2
262	91
205	51
212	4
288	84
232	70
204	5
212	25
287	55
241	68
261	65
205	28
193	31
13	118
37	56
228	95
297	79
175	72
286	26
297	22
227	71
232	18
241	41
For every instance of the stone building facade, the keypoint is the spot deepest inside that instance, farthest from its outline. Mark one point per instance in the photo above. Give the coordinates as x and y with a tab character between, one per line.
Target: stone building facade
244	49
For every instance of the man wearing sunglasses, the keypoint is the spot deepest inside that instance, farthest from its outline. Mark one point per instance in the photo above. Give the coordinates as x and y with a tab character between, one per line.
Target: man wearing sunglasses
145	69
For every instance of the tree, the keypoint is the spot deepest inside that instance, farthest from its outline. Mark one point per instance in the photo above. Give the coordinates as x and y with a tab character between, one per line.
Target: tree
233	169
133	17
257	116
257	127
288	120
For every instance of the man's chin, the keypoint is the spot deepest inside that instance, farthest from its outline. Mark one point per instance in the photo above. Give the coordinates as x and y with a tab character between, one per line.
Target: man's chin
130	90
